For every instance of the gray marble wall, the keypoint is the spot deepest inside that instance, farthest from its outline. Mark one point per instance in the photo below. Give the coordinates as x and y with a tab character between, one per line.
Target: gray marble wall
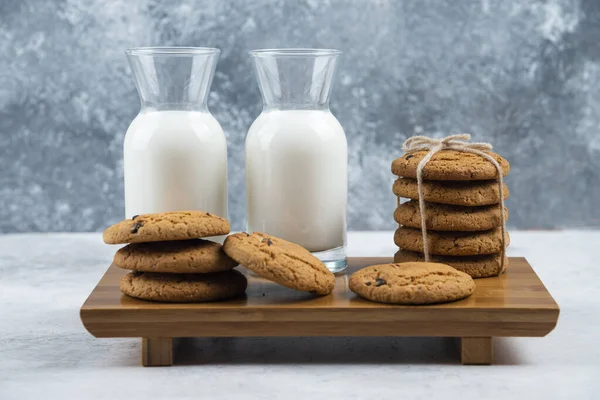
522	74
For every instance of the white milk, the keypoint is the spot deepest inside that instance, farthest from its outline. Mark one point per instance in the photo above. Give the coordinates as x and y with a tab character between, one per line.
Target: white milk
297	178
174	161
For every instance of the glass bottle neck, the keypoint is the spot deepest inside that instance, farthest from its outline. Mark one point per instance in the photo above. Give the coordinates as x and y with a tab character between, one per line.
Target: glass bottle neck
173	78
295	79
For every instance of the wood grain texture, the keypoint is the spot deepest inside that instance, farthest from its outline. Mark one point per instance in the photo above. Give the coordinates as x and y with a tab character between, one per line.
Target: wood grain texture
157	352
514	304
476	351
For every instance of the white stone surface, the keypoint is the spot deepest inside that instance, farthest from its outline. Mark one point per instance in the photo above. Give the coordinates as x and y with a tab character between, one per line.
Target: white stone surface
46	353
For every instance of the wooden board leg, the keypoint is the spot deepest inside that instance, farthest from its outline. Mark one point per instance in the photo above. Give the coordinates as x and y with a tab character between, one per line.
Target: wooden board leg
157	352
476	351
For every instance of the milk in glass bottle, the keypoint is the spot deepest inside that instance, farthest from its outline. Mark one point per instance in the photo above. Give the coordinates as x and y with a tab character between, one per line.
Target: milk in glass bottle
175	152
296	154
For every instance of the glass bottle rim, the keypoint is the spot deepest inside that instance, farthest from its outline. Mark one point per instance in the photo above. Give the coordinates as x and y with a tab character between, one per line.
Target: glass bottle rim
294	52
171	51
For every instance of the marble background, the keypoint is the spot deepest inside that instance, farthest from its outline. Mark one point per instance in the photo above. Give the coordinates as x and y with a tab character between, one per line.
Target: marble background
522	74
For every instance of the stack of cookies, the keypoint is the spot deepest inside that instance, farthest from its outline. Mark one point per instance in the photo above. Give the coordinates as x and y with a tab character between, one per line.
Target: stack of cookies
169	260
463	215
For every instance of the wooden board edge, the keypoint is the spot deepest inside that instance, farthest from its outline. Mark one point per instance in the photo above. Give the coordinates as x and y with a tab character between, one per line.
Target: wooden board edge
85	316
86	311
104	329
556	314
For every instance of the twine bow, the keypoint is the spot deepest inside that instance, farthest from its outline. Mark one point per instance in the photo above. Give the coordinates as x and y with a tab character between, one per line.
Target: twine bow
460	143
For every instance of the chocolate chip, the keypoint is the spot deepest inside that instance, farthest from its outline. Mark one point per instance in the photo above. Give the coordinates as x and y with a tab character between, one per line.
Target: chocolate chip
408	157
136	227
247	234
134	217
208	214
268	241
368	283
379	282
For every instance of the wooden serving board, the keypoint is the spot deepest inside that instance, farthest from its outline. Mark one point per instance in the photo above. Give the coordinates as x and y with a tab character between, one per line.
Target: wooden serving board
514	304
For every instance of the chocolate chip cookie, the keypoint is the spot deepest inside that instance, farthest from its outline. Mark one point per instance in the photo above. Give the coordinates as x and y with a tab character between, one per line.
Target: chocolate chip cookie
451	243
482	266
280	261
450	165
411	283
474	193
178	257
443	217
183	288
177	225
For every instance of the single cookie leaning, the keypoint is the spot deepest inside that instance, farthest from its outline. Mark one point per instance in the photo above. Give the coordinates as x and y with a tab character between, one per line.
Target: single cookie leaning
451	243
183	288
476	266
443	217
280	261
411	283
450	165
177	225
474	193
178	257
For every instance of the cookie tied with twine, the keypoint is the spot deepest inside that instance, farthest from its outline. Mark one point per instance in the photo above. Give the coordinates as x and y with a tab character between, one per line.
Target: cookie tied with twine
458	143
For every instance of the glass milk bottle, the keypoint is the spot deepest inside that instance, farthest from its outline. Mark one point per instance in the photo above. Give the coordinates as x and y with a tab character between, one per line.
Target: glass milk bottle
296	154
175	152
